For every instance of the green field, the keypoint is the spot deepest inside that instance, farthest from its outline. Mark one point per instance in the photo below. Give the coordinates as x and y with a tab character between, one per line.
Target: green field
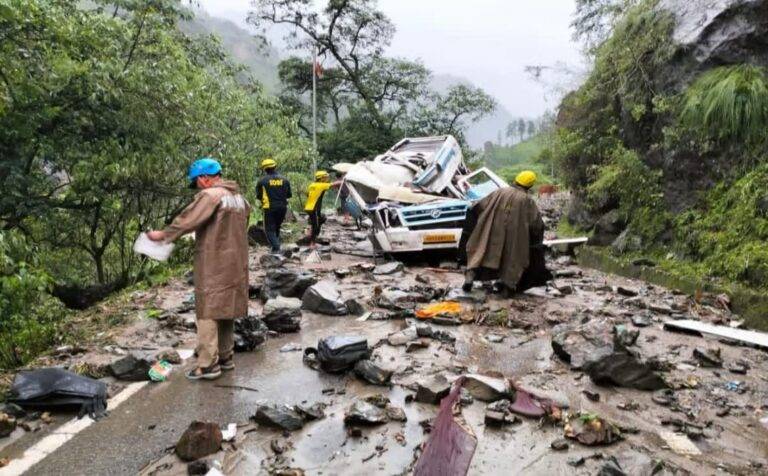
530	154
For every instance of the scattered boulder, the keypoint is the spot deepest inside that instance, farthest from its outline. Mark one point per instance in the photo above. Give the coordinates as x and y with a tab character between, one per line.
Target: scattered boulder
286	282
641	320
250	332
631	463
199	440
388	268
284	417
403	337
169	355
282	314
433	389
364	413
395	413
324	298
576	345
499	414
354	307
7	424
487	389
316	411
372	373
270	260
396	299
437	334
601	352
708	357
625	369
131	368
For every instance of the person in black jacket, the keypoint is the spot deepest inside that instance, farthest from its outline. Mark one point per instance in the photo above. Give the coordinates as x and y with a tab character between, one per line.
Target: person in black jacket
273	190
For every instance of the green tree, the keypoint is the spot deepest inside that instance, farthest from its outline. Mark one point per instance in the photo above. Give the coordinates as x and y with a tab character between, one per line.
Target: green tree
100	114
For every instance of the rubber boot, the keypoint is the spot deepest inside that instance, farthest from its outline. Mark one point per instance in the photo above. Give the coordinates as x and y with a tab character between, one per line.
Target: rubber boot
469	280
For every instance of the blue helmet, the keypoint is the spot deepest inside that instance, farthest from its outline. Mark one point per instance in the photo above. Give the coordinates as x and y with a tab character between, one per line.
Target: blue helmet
204	166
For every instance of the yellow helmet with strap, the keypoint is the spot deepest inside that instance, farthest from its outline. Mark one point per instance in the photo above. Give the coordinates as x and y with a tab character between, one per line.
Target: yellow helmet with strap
268	164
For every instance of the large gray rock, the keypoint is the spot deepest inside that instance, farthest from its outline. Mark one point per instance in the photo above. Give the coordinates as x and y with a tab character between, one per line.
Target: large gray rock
388	268
364	413
284	417
433	389
372	373
132	368
324	298
597	349
283	314
710	33
286	282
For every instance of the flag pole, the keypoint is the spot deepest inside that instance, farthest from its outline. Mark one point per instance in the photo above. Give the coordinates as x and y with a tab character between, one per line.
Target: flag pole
314	107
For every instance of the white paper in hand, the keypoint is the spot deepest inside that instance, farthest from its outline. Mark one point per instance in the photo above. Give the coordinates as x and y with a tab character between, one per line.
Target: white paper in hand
156	250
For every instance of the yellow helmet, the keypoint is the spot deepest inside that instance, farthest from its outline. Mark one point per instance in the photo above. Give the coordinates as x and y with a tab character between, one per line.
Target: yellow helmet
526	178
321	174
268	164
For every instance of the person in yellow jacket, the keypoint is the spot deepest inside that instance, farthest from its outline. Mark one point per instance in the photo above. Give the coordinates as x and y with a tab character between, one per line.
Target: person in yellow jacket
314	205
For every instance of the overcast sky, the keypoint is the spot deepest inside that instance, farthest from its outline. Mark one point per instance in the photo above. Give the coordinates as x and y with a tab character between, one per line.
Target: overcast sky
489	42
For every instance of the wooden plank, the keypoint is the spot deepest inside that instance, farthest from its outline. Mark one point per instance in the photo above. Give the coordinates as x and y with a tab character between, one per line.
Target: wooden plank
758	339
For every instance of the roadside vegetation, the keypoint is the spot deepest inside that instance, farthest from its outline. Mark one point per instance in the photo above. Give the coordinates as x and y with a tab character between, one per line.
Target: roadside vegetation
684	167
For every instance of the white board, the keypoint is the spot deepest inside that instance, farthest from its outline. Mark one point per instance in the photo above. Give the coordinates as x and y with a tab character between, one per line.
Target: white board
755	338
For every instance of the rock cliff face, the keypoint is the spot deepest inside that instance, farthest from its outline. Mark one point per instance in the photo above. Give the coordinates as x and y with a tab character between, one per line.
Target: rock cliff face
710	33
705	34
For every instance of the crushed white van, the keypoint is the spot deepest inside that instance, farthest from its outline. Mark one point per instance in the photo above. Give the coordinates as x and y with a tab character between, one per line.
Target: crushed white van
417	193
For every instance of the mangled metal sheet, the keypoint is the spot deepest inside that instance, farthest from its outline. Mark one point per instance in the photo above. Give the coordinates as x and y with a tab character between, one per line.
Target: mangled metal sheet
417	193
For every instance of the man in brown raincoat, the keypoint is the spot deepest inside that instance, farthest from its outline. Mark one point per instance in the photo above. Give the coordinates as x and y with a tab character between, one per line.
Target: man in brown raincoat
505	243
219	217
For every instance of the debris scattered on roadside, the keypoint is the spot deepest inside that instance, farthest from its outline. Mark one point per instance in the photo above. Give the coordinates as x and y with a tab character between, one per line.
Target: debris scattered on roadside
337	353
433	389
282	314
372	373
284	417
199	440
57	388
324	298
708	357
680	444
591	430
250	332
131	368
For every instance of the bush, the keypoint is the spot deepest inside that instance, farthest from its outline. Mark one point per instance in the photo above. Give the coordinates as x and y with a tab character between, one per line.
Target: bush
29	314
729	103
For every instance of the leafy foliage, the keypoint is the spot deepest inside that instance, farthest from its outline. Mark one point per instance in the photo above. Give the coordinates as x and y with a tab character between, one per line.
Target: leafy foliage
729	104
100	114
29	313
361	93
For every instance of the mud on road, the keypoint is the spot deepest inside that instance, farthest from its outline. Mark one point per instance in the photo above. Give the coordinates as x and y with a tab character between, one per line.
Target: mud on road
715	408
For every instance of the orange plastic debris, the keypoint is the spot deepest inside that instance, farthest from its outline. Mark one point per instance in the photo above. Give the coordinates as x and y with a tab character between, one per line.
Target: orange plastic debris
439	309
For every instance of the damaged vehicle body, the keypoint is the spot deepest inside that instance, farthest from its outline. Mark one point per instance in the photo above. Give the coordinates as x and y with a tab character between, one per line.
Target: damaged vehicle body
417	193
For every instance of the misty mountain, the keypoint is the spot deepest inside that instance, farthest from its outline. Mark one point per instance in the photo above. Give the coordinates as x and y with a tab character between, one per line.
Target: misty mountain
486	129
261	60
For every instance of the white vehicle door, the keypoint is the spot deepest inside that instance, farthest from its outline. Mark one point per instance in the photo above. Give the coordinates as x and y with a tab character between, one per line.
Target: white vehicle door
480	183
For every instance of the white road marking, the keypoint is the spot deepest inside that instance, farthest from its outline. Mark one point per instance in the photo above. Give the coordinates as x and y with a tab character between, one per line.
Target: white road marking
64	433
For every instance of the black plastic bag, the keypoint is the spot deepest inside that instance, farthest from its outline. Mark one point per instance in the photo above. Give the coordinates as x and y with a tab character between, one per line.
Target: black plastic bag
59	389
339	353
